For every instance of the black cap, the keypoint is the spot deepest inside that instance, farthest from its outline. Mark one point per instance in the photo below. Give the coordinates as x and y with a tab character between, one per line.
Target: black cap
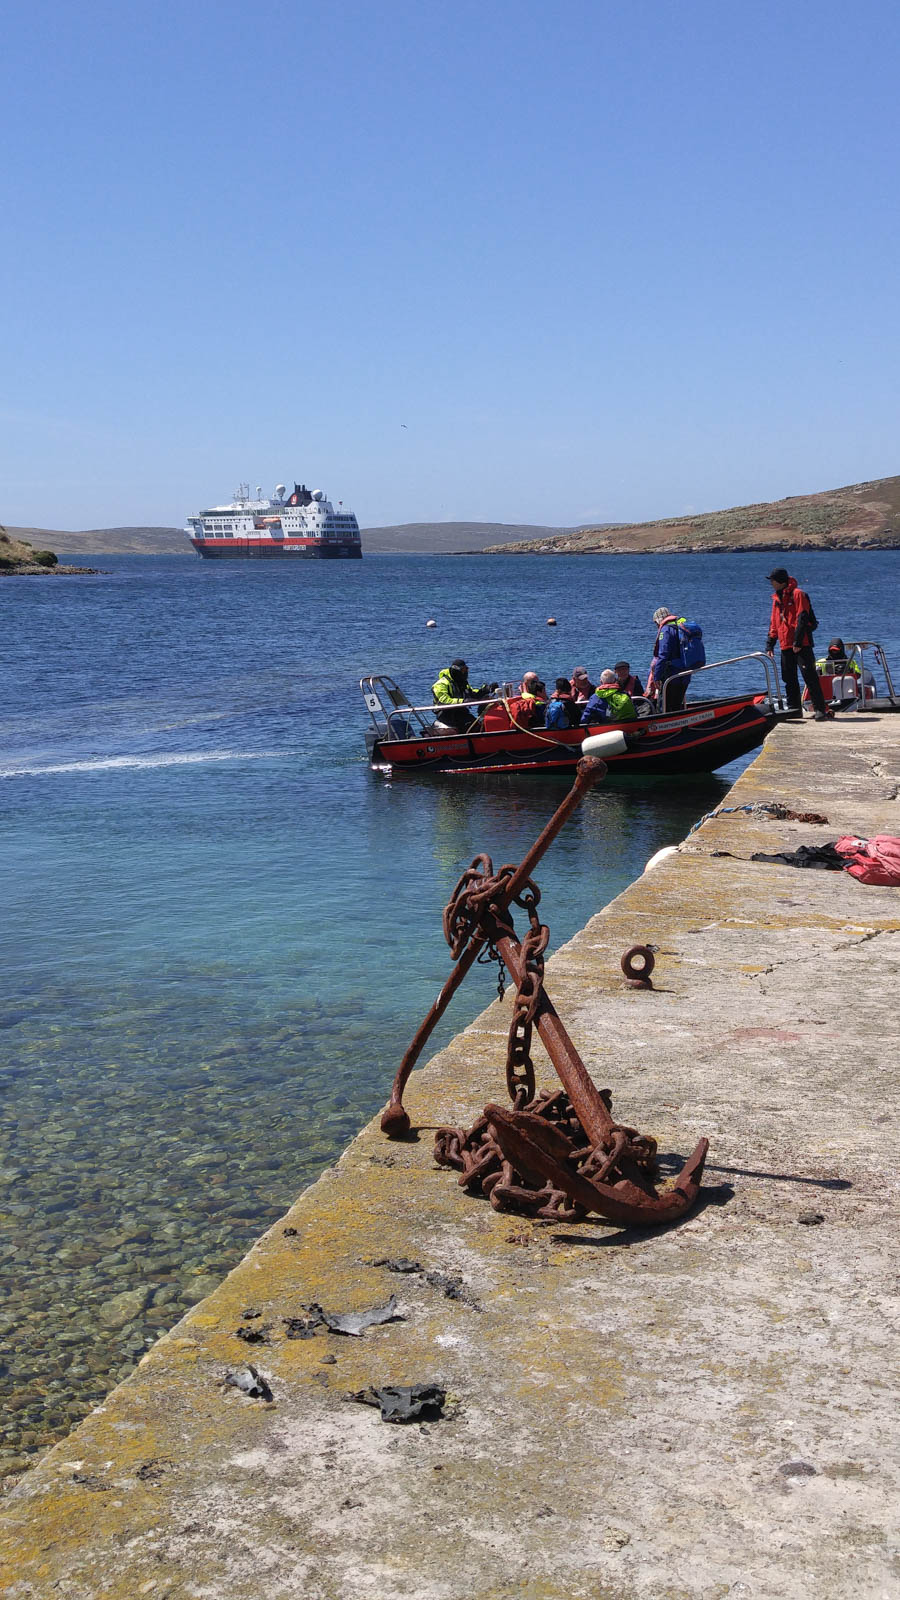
779	575
459	665
837	644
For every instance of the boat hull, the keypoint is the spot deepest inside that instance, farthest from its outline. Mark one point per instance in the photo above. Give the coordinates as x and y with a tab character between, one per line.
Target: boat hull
267	549
698	738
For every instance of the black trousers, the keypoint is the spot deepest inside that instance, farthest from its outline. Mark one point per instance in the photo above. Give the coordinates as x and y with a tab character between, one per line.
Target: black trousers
805	659
675	694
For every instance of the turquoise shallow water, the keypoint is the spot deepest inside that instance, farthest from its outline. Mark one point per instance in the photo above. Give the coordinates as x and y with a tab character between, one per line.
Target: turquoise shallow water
222	929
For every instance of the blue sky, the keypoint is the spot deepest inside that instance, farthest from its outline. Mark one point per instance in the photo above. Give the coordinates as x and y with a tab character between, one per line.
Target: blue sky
502	261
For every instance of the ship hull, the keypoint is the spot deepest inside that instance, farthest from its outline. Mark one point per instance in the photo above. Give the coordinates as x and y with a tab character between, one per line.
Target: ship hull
272	549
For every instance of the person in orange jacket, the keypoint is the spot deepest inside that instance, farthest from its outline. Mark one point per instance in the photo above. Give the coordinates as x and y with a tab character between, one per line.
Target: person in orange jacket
791	626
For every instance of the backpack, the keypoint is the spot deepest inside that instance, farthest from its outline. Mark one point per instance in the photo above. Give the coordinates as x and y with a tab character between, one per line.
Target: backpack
693	653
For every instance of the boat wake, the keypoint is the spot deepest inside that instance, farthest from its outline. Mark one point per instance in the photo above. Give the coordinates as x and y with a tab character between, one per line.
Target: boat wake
175	758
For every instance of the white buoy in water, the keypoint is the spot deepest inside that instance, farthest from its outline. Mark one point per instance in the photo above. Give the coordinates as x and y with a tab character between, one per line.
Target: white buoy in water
551	622
604	744
431	623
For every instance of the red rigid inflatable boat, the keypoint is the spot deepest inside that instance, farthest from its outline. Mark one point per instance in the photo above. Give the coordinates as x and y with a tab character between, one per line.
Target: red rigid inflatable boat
701	736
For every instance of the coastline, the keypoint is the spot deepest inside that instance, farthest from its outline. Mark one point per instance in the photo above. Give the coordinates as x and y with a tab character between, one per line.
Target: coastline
34	570
608	548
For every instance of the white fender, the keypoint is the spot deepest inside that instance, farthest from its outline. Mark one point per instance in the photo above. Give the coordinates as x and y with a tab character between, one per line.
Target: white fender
661	855
604	744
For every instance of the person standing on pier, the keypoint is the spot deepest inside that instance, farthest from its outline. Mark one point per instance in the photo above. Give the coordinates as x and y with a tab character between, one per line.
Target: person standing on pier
791	625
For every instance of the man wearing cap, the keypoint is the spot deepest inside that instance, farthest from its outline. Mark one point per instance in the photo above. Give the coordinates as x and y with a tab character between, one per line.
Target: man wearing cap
791	626
627	680
451	689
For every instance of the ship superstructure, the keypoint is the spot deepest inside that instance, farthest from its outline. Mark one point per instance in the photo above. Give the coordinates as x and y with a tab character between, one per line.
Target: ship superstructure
302	523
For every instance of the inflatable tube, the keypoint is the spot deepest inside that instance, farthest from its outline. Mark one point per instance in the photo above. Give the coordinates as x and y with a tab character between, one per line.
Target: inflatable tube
604	744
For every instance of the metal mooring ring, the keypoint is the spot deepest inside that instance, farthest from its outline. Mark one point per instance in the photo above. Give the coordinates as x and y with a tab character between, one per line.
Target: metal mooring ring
637	965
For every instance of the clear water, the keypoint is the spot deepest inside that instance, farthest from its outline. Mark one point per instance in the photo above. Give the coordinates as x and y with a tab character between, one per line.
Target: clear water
221	929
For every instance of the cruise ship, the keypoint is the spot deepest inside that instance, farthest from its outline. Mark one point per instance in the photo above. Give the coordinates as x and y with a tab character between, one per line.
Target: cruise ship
303	523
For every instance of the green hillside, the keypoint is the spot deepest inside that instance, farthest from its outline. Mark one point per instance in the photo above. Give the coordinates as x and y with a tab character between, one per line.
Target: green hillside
17	555
861	516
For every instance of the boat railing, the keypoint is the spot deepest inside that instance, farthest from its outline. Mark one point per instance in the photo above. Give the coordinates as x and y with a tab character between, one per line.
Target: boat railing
861	687
394	717
773	693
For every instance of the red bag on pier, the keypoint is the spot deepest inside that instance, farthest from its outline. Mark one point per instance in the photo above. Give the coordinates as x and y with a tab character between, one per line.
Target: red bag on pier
874	860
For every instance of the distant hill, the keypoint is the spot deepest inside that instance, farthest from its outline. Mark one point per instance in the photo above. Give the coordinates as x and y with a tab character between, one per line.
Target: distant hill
862	516
438	538
109	541
451	538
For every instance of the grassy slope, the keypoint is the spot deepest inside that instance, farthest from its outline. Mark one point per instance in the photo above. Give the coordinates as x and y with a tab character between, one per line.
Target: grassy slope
17	555
860	516
108	541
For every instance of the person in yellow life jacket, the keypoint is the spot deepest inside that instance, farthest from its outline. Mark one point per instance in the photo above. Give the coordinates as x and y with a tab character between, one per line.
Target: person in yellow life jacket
835	661
451	689
834	664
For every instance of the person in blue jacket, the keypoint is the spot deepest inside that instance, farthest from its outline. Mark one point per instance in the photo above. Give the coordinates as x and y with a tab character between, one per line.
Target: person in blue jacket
668	659
562	709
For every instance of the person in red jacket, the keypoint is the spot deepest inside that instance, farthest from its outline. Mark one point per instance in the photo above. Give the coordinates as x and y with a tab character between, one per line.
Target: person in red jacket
790	626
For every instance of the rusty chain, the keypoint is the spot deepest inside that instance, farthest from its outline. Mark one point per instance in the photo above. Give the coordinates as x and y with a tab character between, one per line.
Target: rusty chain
519	1066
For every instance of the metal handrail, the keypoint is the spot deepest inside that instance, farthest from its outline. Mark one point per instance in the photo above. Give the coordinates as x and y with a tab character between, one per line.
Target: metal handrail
858	647
404	709
761	656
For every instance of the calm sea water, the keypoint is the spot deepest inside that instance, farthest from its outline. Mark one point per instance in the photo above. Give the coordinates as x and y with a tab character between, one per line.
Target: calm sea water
221	929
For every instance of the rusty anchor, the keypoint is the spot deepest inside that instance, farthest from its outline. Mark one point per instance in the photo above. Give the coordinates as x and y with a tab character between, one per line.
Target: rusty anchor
560	1155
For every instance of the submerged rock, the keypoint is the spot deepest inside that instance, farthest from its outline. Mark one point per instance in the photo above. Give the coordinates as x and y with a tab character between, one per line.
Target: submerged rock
122	1308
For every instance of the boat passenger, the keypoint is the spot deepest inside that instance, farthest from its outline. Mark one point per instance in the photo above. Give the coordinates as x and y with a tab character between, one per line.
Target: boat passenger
626	679
834	665
562	709
834	662
582	688
608	703
451	689
667	659
527	707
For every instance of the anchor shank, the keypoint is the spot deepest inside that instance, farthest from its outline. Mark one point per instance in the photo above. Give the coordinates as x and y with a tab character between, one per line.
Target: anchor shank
590	1108
394	1120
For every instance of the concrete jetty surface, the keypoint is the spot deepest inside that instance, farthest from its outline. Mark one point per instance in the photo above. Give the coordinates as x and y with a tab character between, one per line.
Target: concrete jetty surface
702	1412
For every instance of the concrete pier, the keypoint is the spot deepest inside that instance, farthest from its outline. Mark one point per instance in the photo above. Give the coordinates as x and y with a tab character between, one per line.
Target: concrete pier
702	1412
